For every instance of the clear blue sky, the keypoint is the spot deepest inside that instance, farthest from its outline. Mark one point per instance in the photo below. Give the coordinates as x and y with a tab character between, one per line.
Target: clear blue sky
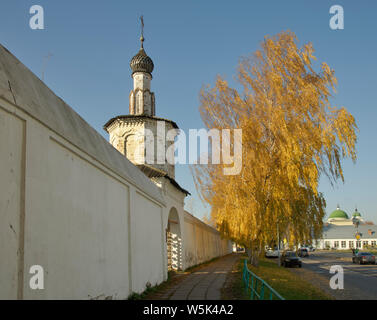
190	43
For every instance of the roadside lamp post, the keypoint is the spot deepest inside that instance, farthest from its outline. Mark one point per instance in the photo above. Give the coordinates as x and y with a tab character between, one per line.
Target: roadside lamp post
356	222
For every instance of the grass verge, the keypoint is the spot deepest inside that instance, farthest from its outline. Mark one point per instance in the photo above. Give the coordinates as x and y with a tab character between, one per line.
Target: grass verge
288	284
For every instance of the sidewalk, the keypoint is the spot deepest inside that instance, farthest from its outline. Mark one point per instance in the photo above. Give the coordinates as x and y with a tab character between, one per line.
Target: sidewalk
202	284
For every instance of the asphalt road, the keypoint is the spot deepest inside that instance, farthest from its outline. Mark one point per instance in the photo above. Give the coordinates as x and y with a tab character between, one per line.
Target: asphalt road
360	281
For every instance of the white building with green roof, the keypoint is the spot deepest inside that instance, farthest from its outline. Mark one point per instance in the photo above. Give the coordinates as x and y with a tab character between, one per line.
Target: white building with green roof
342	232
340	217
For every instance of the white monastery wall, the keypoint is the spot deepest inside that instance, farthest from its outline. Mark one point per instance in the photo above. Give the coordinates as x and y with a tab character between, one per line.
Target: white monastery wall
68	200
148	243
71	215
202	242
74	205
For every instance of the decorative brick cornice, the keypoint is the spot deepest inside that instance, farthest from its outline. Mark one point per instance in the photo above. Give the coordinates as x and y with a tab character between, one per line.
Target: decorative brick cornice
132	119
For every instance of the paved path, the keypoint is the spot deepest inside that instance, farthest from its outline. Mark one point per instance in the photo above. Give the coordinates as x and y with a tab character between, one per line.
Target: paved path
360	281
205	283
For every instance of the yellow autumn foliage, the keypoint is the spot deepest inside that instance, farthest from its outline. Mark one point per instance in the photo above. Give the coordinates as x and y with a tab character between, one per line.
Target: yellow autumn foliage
291	136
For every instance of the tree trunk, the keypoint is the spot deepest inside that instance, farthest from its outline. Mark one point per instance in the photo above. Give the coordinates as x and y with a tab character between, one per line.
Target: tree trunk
249	253
255	256
252	254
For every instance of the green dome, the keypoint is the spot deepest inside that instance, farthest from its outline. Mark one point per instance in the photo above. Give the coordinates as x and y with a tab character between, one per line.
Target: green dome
356	214
338	214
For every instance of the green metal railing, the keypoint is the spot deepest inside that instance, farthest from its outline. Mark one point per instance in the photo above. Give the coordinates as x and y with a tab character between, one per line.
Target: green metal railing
259	289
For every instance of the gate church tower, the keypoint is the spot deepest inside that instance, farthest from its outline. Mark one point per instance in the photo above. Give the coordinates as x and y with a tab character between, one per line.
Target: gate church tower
135	134
130	134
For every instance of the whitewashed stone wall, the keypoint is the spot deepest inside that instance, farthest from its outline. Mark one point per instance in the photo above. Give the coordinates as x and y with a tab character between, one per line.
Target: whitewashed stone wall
69	201
74	216
202	242
73	204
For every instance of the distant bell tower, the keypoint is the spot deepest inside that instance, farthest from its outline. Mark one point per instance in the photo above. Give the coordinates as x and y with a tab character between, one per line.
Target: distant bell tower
129	133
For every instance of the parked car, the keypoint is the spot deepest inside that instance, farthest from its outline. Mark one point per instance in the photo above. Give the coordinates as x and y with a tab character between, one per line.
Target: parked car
364	258
309	248
303	252
290	259
272	253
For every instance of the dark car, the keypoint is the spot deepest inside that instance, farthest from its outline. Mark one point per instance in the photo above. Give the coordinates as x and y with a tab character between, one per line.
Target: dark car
364	258
290	259
303	252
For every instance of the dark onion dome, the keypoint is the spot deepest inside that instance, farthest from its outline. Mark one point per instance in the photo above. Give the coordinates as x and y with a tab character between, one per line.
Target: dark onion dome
141	62
338	214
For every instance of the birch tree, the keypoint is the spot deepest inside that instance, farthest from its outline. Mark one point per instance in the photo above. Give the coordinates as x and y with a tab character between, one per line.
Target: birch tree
291	136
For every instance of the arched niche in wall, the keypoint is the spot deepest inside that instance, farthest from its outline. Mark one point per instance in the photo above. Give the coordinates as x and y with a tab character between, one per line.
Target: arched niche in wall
174	241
